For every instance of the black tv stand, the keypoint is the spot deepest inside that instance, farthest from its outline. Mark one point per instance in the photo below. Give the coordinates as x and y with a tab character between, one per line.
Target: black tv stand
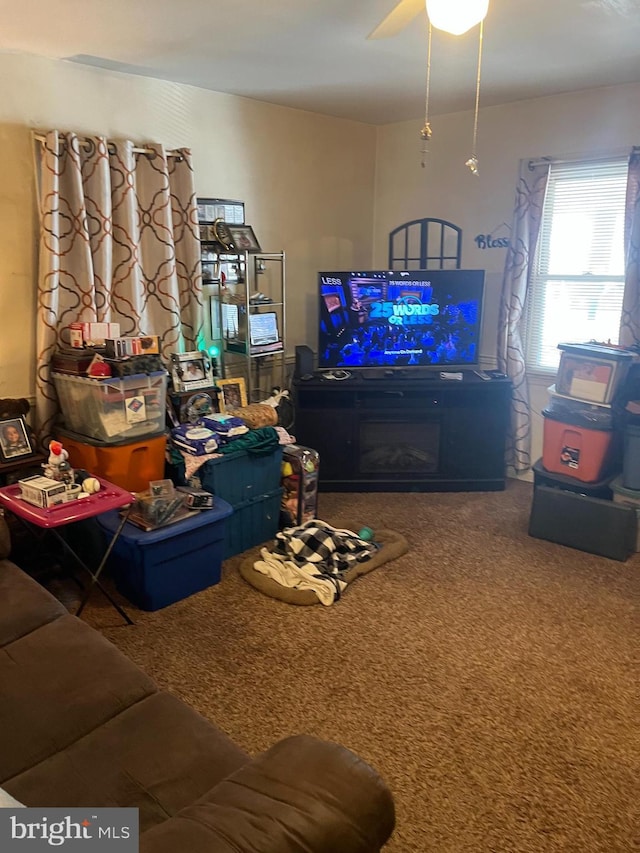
391	374
405	433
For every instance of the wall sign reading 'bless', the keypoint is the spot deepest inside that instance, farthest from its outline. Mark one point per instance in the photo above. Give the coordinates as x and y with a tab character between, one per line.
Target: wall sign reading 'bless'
498	239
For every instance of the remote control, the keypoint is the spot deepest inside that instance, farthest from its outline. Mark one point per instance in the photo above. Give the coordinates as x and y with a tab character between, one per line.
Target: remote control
482	374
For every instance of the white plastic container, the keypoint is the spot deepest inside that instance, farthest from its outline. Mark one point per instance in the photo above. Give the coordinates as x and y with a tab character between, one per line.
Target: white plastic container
598	413
115	409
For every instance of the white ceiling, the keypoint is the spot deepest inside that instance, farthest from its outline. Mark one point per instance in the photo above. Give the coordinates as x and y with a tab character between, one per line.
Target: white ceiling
314	54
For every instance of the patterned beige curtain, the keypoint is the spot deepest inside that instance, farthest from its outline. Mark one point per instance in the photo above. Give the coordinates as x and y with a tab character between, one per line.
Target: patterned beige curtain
527	215
630	321
119	243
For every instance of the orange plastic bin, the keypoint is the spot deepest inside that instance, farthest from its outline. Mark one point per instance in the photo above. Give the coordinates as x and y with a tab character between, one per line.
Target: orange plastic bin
577	449
130	465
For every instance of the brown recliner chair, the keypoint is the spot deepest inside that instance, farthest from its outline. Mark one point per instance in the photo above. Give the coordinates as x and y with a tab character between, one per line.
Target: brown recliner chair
81	725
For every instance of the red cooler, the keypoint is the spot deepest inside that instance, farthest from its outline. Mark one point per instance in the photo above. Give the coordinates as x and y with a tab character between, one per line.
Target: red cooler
577	446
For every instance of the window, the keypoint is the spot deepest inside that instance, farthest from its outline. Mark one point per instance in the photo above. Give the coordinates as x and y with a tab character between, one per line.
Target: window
577	279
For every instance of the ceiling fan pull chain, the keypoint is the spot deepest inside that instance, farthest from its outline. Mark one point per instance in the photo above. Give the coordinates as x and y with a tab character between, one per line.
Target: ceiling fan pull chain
426	133
472	162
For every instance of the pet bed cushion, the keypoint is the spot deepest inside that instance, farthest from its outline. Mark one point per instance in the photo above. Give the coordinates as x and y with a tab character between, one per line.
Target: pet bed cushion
392	545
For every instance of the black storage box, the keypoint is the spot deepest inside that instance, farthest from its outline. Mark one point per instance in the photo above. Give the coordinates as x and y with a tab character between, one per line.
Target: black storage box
585	523
602	489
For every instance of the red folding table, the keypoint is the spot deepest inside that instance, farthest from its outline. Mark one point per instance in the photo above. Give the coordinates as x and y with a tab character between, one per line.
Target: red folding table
52	518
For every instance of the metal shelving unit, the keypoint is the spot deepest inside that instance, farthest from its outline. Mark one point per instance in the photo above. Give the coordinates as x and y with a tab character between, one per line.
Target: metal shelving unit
248	317
246	294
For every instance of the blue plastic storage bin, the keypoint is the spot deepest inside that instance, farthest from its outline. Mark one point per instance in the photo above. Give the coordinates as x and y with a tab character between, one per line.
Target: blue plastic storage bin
157	568
252	523
238	477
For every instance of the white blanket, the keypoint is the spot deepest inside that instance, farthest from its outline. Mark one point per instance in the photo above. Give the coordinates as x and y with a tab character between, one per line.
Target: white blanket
287	573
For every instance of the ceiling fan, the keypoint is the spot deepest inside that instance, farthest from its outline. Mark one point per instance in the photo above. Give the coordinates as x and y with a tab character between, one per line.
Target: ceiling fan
398	18
452	16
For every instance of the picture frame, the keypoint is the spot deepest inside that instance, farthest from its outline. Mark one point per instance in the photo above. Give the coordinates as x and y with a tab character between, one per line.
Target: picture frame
14	439
233	393
210	209
191	370
244	238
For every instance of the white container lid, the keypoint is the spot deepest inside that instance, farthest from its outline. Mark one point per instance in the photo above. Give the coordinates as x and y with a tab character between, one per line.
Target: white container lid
552	390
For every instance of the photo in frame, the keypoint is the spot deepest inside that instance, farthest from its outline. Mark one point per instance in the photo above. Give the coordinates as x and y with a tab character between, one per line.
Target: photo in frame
191	370
244	238
14	439
233	393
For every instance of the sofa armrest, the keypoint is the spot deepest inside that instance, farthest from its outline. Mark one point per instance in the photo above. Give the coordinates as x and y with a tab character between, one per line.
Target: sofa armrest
302	796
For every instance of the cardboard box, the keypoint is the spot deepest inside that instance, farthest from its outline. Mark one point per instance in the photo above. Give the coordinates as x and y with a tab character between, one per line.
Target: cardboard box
124	347
76	338
42	491
96	333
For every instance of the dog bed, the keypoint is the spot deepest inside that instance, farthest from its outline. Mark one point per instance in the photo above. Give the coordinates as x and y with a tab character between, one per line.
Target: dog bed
392	545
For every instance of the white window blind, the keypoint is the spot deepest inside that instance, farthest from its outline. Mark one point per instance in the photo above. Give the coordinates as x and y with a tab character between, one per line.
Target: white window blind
578	274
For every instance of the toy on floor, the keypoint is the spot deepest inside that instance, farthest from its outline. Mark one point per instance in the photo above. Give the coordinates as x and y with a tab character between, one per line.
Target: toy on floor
300	483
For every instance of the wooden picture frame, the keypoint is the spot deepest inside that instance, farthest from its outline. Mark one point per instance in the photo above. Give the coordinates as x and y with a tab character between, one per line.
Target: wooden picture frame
14	439
233	394
244	238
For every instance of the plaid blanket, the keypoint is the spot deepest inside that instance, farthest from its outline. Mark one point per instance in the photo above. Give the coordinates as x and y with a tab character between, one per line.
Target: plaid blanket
330	550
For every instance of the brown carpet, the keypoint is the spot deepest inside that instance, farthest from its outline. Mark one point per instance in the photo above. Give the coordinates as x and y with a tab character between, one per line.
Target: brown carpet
491	678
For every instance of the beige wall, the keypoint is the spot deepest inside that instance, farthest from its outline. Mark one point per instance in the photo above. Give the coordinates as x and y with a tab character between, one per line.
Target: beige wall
310	183
573	125
307	181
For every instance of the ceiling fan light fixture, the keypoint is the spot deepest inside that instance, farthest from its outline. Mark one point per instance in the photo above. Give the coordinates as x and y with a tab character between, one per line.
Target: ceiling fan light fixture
456	16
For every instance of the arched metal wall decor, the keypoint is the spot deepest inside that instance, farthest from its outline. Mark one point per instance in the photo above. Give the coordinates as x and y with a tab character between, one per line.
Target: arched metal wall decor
424	244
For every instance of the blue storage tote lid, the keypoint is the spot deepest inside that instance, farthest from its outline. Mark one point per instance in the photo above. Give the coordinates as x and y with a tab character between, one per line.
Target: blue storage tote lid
199	518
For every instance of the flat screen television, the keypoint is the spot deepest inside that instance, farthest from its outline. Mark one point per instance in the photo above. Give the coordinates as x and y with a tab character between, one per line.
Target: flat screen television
400	319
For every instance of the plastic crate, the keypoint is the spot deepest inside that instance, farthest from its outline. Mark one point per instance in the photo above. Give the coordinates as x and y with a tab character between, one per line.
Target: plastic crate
601	489
130	465
237	477
574	447
253	523
592	372
113	410
157	568
599	415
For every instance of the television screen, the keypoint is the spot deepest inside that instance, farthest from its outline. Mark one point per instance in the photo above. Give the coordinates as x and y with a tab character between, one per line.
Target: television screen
398	318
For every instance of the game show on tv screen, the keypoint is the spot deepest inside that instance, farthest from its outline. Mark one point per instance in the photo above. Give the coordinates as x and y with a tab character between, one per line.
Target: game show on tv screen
400	318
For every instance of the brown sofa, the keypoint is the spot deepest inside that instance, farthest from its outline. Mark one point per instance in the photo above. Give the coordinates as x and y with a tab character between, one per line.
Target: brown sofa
81	725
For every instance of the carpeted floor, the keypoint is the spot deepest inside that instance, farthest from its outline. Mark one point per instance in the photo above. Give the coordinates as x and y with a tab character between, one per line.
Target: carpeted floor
490	677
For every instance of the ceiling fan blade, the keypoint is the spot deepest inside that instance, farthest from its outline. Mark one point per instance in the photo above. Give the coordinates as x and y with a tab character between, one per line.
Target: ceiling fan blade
398	18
